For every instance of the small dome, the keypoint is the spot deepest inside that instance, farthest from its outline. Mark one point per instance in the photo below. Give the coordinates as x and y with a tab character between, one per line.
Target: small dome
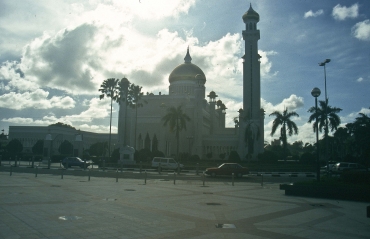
212	95
187	71
251	15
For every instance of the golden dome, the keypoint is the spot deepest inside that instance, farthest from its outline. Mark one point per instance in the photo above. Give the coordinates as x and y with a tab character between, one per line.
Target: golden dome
251	15
187	71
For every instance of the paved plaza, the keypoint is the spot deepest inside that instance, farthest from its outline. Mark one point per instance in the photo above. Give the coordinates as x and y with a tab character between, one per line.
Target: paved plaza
74	207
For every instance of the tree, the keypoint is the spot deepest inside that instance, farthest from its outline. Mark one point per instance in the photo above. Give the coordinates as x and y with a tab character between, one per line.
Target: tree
14	146
176	119
38	148
325	111
234	157
341	137
134	101
286	123
59	124
109	89
66	148
123	86
360	132
98	149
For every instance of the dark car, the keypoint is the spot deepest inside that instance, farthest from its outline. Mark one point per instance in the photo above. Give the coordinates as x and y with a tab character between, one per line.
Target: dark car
74	161
227	169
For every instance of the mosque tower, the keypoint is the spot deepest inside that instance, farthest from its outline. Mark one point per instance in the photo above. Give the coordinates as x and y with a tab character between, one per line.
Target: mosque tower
251	116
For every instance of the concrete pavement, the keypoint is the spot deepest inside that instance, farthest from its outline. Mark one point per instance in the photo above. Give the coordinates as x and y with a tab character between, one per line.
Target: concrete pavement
73	207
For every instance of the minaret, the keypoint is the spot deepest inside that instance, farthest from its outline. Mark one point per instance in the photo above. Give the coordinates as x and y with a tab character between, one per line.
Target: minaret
251	84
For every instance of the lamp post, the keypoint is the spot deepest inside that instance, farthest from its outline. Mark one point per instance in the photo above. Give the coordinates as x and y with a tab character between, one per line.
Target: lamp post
326	115
316	93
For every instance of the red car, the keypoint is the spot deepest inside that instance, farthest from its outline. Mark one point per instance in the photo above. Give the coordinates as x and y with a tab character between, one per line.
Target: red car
227	169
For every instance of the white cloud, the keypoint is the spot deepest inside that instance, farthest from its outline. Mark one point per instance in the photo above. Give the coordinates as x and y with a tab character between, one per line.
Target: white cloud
97	109
360	79
362	30
341	13
313	14
292	104
37	99
266	64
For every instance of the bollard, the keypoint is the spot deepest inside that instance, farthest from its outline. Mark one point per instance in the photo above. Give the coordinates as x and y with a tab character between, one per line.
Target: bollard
197	171
11	170
174	177
36	171
15	162
159	168
233	178
117	176
204	178
145	178
89	174
262	180
61	176
141	165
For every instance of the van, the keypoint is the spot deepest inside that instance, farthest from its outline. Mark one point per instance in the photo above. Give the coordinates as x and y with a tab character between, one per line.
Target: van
165	163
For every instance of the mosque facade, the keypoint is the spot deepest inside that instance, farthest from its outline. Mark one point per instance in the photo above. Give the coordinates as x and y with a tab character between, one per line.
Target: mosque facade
206	133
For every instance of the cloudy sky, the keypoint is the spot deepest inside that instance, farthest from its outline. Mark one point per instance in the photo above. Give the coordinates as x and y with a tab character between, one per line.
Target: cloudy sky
55	54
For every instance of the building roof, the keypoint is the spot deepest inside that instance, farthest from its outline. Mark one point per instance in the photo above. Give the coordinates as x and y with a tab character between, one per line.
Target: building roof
187	71
251	15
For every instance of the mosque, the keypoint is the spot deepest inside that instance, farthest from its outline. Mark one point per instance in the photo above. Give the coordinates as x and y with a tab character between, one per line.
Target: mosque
205	134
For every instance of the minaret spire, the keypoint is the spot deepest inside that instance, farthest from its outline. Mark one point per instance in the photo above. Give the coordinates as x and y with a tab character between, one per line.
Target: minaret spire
187	57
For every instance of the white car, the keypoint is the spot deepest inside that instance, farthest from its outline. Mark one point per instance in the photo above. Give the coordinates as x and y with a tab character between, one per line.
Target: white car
344	167
165	163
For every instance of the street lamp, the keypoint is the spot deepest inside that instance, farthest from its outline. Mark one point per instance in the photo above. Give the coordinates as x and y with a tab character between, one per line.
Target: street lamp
316	93
326	115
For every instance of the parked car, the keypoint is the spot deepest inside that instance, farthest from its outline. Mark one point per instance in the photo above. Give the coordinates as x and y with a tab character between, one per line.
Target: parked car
324	168
227	169
344	167
165	163
74	161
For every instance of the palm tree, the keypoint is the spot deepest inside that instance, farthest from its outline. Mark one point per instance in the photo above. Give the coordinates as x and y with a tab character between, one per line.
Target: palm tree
360	130
176	119
134	101
123	86
325	111
284	120
109	89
